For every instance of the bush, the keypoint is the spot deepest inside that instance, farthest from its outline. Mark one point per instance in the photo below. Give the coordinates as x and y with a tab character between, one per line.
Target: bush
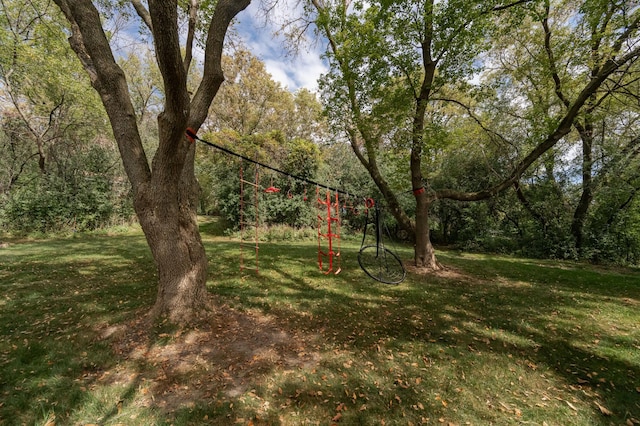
49	204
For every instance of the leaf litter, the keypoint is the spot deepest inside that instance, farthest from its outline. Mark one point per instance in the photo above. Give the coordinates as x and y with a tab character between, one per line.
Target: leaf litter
220	357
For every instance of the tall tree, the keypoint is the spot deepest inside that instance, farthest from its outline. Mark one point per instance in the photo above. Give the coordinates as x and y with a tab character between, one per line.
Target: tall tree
251	102
395	64
543	75
165	193
41	98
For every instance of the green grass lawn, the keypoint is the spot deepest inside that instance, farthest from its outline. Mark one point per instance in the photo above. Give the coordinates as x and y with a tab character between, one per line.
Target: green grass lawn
491	340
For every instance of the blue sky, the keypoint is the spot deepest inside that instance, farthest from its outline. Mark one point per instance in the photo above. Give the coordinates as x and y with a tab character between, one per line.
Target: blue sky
291	70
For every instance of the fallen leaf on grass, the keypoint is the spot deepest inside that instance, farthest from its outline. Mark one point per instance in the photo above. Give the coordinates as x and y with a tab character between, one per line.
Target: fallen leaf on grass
571	406
51	421
337	417
603	410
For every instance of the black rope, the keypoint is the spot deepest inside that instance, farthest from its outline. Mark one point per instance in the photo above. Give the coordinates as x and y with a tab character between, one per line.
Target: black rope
192	136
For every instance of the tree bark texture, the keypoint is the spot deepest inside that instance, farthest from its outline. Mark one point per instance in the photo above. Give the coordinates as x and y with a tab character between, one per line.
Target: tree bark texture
170	227
165	194
580	213
425	254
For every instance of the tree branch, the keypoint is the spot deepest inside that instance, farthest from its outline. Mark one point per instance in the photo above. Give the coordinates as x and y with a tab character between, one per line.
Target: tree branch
164	16
551	57
90	43
143	13
527	205
562	129
507	6
477	120
193	20
213	76
635	24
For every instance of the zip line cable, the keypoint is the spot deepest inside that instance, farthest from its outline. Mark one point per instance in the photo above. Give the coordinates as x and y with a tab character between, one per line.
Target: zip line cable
376	261
330	220
191	135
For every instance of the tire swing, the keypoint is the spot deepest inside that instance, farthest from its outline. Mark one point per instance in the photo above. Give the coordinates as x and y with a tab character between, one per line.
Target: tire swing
377	261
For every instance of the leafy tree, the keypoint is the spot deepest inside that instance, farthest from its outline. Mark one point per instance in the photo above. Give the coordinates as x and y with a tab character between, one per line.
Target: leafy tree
42	99
81	194
164	193
398	69
598	137
219	175
57	169
251	102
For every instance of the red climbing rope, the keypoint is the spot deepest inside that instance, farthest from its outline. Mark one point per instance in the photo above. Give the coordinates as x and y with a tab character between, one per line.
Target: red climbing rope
245	224
332	227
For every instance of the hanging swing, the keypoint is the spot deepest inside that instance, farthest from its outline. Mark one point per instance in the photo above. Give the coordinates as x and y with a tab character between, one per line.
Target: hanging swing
378	261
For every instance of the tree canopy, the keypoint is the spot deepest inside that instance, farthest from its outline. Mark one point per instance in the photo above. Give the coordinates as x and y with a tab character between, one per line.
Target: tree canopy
400	70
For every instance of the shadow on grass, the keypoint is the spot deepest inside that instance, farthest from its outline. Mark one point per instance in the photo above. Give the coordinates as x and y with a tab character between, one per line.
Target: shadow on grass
55	295
496	341
573	329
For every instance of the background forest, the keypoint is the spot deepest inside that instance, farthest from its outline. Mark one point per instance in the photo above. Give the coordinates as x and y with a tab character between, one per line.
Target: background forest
60	170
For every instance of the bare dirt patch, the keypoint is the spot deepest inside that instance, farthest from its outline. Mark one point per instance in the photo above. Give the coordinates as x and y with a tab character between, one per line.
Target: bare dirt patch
223	357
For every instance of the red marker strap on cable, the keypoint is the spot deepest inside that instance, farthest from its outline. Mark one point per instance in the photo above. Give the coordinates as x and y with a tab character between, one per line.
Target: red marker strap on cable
369	203
191	134
418	191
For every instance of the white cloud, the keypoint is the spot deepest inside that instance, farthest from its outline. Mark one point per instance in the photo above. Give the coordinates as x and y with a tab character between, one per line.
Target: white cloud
293	71
296	72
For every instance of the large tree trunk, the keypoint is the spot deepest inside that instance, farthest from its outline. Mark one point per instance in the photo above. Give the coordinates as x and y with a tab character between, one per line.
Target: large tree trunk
425	255
170	226
166	209
580	214
164	195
